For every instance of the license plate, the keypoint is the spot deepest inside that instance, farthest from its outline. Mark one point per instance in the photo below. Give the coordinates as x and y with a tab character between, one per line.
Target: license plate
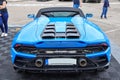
60	61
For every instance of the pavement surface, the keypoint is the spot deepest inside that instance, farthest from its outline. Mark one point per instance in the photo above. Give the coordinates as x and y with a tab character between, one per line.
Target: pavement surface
18	11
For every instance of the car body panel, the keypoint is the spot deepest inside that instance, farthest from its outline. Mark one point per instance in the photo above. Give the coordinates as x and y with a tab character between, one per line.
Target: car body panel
36	27
90	45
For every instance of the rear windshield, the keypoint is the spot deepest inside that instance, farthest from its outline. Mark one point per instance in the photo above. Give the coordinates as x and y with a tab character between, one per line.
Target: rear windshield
60	14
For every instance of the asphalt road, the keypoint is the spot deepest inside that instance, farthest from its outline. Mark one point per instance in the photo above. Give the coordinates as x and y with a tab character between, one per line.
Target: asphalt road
18	17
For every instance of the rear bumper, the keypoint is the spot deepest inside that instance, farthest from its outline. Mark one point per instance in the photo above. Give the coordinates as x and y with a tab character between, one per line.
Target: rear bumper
56	69
95	61
92	64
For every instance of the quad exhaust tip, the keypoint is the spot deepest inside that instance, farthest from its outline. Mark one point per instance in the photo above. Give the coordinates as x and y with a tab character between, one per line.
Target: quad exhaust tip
82	62
39	63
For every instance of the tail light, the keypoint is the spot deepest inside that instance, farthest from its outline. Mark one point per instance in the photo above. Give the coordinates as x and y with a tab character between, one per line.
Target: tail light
25	48
103	46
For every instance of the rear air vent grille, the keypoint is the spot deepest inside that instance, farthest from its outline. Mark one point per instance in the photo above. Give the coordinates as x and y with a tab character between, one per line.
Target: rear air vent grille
50	33
72	32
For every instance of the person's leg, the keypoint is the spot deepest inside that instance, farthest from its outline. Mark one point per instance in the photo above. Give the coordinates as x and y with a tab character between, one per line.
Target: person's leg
103	12
1	27
105	15
75	6
1	24
5	21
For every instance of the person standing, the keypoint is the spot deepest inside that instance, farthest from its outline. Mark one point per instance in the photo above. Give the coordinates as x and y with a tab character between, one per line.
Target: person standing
105	9
3	18
77	3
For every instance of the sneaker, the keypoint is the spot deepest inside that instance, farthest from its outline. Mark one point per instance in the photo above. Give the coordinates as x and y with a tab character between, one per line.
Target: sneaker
3	34
105	17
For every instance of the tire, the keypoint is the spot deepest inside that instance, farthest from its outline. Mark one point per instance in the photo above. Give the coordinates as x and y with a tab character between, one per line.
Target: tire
102	69
18	70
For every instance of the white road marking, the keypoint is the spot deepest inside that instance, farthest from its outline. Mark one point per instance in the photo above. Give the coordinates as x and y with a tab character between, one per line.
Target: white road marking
13	25
110	31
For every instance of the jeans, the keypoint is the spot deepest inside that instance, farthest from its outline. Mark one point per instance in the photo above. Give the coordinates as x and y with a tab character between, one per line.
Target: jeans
76	6
104	12
4	22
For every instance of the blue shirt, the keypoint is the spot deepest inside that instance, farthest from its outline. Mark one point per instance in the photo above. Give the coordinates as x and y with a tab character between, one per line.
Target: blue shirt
76	2
106	3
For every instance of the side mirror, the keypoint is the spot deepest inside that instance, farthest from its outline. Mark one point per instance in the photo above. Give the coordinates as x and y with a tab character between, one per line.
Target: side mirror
31	16
89	15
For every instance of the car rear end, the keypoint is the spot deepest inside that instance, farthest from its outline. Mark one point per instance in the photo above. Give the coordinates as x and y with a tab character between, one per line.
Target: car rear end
90	57
61	52
60	43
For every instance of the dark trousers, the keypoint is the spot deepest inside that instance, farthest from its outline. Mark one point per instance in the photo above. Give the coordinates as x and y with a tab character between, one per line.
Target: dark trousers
76	6
104	12
4	22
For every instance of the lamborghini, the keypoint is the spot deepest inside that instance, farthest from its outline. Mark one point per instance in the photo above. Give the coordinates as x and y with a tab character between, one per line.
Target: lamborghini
60	39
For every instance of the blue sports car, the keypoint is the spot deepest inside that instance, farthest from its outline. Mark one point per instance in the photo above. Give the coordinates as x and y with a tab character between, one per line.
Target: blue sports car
60	39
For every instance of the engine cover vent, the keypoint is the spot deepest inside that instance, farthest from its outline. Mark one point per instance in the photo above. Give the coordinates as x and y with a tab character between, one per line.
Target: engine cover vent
71	32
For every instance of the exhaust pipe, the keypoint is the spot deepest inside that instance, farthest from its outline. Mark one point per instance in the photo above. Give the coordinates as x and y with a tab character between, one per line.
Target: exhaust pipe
39	63
82	62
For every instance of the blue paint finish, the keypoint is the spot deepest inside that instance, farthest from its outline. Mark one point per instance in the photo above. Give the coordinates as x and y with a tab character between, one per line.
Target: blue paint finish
46	62
13	55
61	44
24	55
108	54
32	30
60	26
90	34
92	55
60	19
